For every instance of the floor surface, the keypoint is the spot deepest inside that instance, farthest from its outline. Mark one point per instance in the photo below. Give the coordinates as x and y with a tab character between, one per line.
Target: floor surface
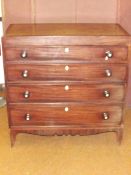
66	155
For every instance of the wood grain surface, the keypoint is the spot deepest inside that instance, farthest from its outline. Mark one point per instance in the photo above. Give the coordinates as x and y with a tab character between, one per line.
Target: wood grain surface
67	29
64	76
75	53
66	92
45	72
52	115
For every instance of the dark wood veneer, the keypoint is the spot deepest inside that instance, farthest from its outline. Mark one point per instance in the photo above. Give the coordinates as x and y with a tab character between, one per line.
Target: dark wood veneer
41	71
51	115
66	74
67	92
85	53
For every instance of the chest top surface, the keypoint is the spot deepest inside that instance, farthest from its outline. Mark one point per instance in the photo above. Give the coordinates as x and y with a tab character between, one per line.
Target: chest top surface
67	29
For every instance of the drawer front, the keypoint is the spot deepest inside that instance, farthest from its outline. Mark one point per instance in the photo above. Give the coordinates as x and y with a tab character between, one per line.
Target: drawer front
66	114
66	92
16	72
88	53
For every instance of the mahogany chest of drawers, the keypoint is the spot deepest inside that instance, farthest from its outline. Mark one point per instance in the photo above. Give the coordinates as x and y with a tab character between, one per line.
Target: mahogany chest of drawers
65	78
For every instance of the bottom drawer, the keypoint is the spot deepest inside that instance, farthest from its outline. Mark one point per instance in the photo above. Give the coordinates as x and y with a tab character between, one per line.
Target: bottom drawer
63	114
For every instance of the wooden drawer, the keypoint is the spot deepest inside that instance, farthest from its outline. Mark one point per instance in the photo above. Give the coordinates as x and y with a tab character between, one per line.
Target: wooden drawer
63	114
68	53
39	72
65	92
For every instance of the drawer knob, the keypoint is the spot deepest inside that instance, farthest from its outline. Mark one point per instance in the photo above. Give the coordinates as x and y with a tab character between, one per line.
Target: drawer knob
66	87
106	94
24	54
108	54
66	109
26	94
27	117
66	50
105	115
108	73
25	74
67	68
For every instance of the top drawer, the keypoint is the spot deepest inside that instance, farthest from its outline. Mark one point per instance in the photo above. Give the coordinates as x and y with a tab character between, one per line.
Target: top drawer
68	53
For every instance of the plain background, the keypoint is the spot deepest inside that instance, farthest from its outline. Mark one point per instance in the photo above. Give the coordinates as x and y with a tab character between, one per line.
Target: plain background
1	61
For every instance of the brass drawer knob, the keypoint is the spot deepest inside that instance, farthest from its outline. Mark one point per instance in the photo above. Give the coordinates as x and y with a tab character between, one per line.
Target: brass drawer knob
105	115
66	50
25	74
24	54
106	94
67	68
27	117
26	94
66	109
66	87
108	54
108	73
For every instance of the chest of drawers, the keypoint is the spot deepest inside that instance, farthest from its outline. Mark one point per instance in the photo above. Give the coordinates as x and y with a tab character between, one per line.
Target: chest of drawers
70	84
